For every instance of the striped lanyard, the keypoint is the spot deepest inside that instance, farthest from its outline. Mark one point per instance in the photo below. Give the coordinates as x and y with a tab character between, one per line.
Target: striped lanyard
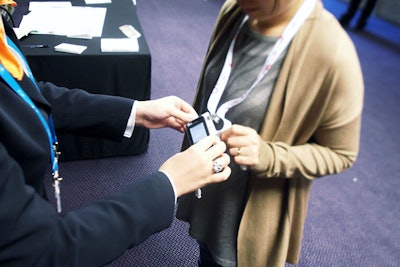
48	126
280	45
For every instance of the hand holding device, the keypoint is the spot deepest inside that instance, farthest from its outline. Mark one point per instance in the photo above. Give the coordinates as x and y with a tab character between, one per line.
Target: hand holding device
194	167
199	128
205	125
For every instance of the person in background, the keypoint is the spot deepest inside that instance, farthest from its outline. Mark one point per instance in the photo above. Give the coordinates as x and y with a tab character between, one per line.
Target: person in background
283	81
351	11
32	231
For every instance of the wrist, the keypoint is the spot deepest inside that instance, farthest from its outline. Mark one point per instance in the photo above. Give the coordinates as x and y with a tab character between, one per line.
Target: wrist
140	107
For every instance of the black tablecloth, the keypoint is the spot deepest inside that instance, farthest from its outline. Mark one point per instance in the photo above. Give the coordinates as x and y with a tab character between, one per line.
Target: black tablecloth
123	74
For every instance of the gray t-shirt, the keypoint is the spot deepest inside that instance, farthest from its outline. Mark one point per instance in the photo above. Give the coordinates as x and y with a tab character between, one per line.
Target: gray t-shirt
215	217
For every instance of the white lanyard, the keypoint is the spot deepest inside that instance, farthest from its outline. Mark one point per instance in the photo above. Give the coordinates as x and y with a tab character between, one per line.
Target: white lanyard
280	45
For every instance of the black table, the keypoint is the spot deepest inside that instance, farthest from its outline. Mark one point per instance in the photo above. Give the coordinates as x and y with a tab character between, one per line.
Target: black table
122	74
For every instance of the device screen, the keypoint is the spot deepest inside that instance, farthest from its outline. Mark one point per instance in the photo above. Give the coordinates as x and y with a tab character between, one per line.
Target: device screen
197	130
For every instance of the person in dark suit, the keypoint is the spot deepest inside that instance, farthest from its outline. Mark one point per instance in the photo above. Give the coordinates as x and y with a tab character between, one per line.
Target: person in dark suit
32	233
351	11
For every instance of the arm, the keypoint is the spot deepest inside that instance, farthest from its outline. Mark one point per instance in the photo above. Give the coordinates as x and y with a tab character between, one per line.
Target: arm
78	112
326	156
108	115
32	232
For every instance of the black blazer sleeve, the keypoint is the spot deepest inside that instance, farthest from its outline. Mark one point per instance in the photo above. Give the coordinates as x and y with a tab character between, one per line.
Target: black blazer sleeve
32	234
78	112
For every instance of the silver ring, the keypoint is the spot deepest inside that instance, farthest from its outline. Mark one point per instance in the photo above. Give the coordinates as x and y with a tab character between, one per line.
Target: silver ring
217	167
239	152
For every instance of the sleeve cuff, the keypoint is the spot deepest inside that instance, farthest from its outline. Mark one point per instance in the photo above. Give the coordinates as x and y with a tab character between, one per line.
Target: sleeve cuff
172	184
130	126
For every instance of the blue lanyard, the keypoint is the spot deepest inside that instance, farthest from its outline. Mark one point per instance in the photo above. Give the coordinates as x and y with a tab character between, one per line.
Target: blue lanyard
48	126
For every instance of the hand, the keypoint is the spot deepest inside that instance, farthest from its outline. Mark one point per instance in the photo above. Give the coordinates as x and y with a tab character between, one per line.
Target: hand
246	147
168	111
193	168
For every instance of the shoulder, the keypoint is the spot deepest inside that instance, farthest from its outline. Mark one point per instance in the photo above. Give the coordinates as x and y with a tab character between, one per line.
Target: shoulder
325	57
325	48
326	37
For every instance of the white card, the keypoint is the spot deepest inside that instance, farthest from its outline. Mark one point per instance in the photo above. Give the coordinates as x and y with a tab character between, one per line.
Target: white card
119	45
70	48
130	31
93	2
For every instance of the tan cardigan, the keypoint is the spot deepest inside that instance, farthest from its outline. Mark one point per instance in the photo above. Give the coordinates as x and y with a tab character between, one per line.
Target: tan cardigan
312	129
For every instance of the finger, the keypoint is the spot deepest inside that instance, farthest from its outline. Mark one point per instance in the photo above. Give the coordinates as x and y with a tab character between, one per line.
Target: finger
185	107
216	150
221	176
234	130
177	127
218	177
180	122
178	114
183	111
175	124
236	142
224	160
246	157
236	150
205	143
220	165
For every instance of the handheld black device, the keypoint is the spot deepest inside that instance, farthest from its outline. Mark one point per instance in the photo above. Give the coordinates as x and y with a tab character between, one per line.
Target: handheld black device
199	128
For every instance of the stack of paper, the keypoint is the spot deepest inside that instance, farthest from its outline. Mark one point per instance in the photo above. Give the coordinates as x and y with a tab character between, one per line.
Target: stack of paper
61	18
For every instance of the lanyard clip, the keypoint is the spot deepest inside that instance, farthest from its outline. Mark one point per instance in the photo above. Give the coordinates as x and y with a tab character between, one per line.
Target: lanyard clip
56	178
57	192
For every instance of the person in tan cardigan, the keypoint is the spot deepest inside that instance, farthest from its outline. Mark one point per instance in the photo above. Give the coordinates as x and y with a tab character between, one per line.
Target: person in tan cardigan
300	121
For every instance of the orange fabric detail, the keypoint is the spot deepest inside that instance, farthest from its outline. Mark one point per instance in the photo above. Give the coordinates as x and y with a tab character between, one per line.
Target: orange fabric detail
7	58
8	2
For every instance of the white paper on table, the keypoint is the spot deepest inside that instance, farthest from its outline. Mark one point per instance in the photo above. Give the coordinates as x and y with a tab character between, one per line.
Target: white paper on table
69	21
119	45
93	2
51	4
